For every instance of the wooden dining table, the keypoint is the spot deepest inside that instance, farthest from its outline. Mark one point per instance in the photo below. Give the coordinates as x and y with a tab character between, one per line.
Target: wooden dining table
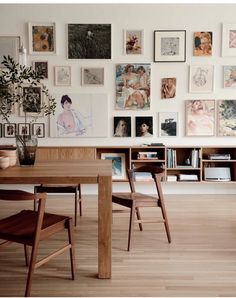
75	172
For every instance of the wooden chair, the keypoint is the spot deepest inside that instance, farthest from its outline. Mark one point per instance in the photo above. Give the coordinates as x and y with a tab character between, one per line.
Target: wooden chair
49	188
29	227
135	200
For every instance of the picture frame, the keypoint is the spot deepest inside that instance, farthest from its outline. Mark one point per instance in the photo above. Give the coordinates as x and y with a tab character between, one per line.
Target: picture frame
229	76
118	164
169	45
89	41
9	45
122	126
168	88
144	126
41	67
42	38
200	117
23	129
203	43
38	129
9	130
168	124
6	104
228	40
226	118
62	75
0	130
92	76
133	42
34	98
201	78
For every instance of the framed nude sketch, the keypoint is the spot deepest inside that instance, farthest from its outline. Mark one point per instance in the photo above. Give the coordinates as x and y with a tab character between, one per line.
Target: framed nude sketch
92	76
62	75
201	78
9	45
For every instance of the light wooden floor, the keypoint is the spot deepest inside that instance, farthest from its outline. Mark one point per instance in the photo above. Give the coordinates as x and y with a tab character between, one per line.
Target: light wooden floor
201	260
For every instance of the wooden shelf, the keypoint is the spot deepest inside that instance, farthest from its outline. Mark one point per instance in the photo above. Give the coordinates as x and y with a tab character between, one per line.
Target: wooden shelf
183	169
147	160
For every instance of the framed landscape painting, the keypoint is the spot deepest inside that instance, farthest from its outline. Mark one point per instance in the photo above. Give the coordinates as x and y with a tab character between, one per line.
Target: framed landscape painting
226	118
201	78
118	164
168	124
134	42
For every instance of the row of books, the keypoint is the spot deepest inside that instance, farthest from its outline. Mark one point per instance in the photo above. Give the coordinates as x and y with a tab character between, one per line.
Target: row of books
182	177
191	162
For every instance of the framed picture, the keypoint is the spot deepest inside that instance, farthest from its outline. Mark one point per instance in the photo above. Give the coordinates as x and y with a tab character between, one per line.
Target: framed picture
9	45
9	130
42	38
92	76
200	117
133	86
122	127
118	164
170	46
6	104
229	40
133	42
38	129
168	124
89	41
62	75
168	88
226	118
41	67
202	44
229	76
0	130
144	126
33	97
201	78
24	129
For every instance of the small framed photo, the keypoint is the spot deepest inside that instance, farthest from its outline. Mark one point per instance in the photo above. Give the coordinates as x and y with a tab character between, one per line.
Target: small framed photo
41	67
92	76
62	75
229	76
133	42
9	130
170	46
144	126
42	38
122	127
229	40
23	129
200	117
201	78
33	98
38	129
9	45
168	124
168	88
226	118
202	44
118	164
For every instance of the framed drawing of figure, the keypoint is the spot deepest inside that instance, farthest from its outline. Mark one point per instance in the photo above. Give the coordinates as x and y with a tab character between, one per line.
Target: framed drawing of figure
168	88
201	78
92	76
62	75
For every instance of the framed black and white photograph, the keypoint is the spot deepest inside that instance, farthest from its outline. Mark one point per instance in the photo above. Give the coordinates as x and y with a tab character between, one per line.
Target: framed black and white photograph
144	126
92	76
229	40
226	119
33	97
133	42
41	67
38	129
122	127
169	46
9	130
118	164
62	75
23	129
201	78
89	41
168	124
9	46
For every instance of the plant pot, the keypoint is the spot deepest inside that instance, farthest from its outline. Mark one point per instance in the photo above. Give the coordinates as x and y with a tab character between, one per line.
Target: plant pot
26	148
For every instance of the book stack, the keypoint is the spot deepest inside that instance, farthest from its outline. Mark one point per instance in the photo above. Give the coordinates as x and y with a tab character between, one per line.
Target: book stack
147	155
188	177
219	156
171	178
195	158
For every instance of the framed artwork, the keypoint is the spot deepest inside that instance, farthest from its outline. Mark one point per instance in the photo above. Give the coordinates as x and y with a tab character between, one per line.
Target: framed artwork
41	67
77	116
122	127
118	164
168	88
9	45
62	75
202	44
170	46
42	38
38	129
92	76
133	42
133	88
226	118
89	41
229	40
200	117
33	97
0	130
168	124
6	104
201	78
9	130
23	129
144	126
229	76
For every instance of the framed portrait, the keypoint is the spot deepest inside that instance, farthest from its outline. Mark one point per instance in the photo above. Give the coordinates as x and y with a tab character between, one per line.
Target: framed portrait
42	38
133	90
38	129
226	118
170	46
168	88
33	98
62	75
229	75
23	129
118	164
168	124
9	130
202	44
229	40
122	127
9	46
133	42
201	78
41	67
92	76
89	41
200	117
144	126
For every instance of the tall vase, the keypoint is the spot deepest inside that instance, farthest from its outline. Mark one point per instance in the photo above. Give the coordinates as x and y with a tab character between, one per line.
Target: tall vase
26	147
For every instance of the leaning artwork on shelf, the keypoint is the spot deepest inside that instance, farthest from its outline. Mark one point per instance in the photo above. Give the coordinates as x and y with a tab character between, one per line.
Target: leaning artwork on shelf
168	124
77	115
227	118
118	164
201	78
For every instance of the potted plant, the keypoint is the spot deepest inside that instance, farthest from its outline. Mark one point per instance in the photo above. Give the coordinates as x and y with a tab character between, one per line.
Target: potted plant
12	92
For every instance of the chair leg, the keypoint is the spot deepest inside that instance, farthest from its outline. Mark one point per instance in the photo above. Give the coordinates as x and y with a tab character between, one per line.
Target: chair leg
131	225
164	215
72	249
139	218
35	203
26	250
76	207
80	200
